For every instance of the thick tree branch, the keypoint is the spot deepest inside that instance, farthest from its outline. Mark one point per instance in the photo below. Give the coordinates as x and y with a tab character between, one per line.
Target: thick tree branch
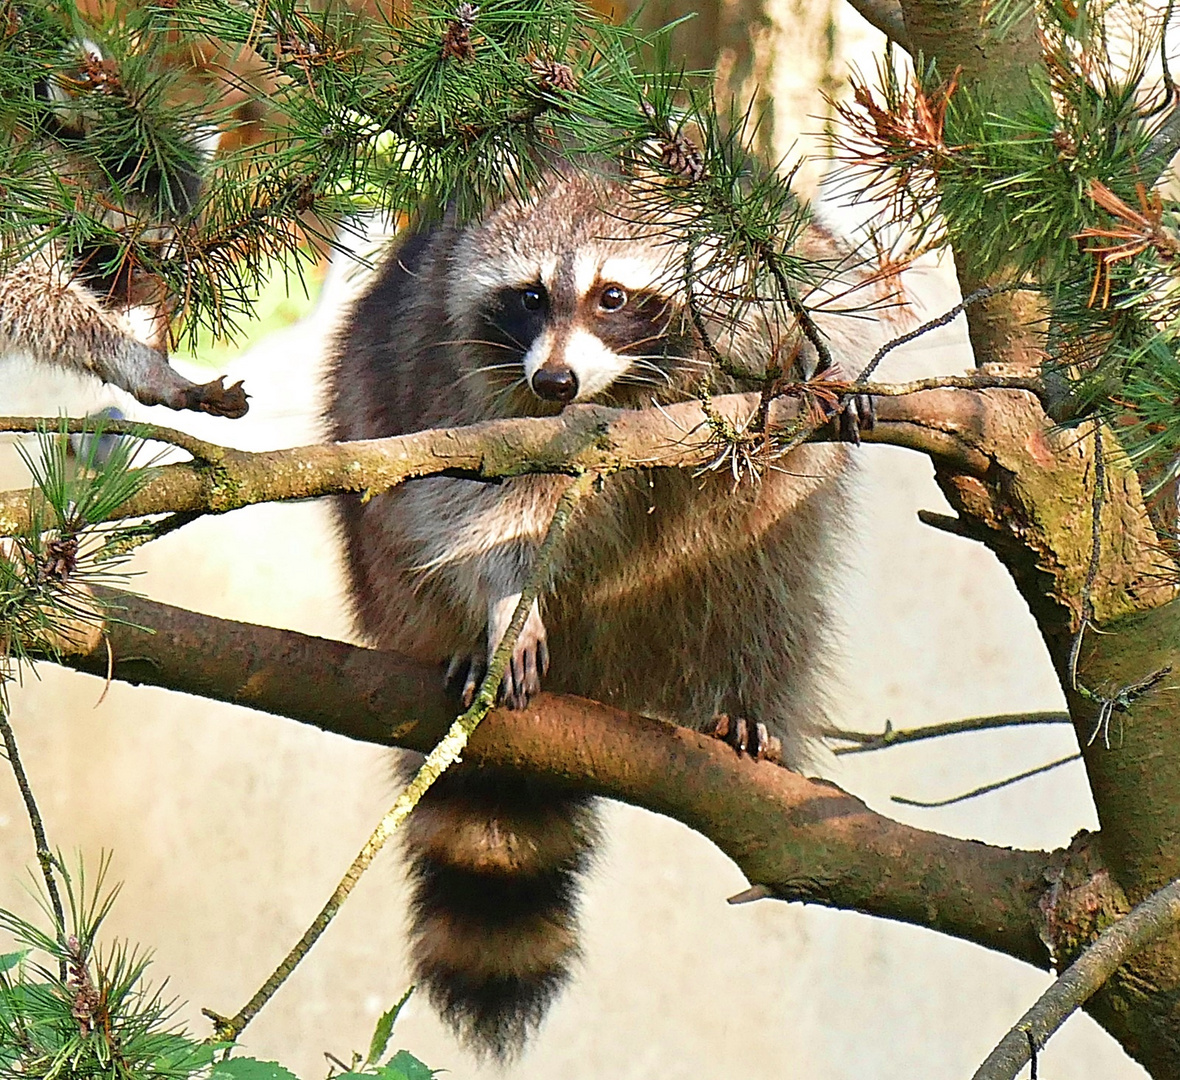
803	839
886	16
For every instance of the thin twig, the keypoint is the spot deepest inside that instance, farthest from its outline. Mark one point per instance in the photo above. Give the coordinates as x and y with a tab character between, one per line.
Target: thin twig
44	855
1157	914
127	540
946	317
444	754
979	381
210	453
796	307
987	788
880	740
1121	699
1165	66
1087	613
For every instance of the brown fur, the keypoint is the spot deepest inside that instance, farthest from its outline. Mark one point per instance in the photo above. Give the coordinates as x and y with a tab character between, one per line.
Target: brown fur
678	595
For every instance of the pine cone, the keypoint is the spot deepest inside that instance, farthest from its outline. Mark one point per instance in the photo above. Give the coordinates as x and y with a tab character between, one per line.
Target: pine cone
456	43
553	76
681	157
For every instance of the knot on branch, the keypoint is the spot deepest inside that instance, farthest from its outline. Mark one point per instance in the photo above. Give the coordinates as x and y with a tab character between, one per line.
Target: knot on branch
1082	900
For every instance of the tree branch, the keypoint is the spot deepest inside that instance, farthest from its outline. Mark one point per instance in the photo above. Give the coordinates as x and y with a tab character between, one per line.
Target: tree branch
41	841
1157	914
864	741
802	839
926	415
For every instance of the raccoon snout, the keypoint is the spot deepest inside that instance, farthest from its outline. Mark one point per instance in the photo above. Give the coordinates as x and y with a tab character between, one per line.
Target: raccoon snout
555	384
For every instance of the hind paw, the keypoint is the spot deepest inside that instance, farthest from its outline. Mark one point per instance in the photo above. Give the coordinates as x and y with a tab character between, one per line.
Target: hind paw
860	414
746	737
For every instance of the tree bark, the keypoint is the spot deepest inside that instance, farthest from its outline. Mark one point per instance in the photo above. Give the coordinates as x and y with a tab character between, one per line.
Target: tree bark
804	839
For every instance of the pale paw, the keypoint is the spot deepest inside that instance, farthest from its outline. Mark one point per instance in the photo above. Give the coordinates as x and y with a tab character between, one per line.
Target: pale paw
529	664
746	737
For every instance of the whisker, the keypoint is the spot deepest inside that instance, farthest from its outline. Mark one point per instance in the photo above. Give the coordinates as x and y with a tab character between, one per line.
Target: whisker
517	344
657	336
504	391
477	341
647	366
485	369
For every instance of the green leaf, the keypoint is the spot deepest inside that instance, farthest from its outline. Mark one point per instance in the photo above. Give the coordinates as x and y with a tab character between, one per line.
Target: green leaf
387	1072
384	1029
408	1066
244	1068
9	960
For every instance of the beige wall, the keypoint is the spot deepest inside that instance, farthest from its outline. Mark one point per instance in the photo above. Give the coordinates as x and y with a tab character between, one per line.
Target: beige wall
230	828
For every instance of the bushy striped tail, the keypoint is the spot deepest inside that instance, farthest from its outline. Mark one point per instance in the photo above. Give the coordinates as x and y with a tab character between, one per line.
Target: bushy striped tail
495	862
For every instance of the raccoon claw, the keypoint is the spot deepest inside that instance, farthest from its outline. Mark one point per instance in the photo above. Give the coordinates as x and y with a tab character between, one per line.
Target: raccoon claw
858	414
464	675
529	663
746	737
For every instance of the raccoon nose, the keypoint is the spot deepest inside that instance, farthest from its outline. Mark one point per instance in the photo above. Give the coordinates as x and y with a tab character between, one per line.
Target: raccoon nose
555	384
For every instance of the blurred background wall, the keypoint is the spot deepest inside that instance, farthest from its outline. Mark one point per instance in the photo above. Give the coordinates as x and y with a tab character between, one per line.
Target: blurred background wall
229	828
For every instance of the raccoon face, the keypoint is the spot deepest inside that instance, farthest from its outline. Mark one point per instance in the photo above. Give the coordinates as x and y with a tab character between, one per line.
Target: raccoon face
595	331
575	348
559	300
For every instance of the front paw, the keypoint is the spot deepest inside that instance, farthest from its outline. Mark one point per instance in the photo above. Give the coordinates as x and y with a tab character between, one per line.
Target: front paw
465	673
522	678
529	664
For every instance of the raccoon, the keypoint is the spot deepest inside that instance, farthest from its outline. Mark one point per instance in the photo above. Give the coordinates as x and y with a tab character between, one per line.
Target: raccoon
679	596
62	306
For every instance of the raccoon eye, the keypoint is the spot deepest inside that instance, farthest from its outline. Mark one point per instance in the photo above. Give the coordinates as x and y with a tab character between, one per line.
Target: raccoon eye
612	298
532	298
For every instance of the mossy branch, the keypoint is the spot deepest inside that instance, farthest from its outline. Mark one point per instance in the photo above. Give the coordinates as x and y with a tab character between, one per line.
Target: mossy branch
583	438
1155	916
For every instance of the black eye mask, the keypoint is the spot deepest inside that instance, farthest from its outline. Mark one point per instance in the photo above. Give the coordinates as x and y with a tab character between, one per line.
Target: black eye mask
515	318
639	328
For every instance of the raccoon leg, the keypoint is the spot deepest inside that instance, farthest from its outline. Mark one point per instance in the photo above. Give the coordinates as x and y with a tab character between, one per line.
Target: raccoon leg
530	656
495	862
478	544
